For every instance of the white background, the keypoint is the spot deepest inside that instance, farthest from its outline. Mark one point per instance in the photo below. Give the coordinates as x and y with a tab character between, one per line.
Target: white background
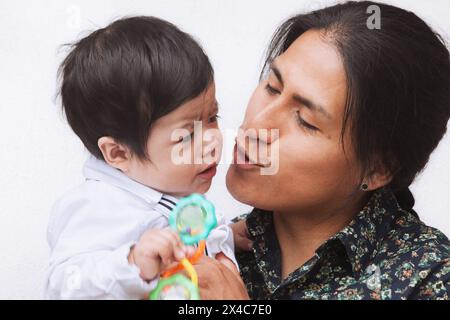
41	158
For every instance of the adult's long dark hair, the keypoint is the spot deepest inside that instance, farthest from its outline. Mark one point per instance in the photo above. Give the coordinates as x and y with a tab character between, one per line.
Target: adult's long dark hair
398	83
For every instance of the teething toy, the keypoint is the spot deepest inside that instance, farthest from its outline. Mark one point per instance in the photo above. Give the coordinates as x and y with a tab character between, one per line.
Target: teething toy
193	218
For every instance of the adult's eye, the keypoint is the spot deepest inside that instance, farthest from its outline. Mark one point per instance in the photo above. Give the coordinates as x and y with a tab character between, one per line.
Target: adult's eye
271	90
305	124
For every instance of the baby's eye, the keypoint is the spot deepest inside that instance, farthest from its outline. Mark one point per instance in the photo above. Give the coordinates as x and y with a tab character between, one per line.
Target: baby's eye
186	138
214	118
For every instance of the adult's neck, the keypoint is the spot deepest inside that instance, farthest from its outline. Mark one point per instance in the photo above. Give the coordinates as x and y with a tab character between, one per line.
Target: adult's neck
301	232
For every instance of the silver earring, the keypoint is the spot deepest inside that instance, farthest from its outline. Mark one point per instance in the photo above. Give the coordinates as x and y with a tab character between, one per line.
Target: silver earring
364	187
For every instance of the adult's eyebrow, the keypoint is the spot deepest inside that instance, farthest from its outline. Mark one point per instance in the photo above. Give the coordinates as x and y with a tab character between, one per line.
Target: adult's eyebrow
311	105
276	72
299	98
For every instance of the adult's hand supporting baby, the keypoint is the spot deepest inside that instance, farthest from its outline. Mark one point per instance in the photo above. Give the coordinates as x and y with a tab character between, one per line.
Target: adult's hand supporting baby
219	281
241	236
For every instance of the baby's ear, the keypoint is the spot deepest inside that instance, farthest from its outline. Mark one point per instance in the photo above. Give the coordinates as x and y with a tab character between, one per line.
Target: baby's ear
115	154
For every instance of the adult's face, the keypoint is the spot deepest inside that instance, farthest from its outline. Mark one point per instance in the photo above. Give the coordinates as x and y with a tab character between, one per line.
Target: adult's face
304	97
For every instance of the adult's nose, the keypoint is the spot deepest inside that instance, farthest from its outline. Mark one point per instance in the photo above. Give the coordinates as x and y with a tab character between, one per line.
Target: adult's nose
264	123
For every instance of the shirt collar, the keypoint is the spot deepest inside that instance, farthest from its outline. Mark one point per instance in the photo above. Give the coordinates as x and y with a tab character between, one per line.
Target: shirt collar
360	238
266	248
96	169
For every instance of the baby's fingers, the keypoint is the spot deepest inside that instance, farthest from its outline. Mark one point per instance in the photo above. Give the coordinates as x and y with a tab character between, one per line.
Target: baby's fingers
177	247
189	251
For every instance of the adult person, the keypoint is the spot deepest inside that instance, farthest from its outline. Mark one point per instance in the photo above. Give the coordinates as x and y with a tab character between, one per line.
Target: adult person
359	112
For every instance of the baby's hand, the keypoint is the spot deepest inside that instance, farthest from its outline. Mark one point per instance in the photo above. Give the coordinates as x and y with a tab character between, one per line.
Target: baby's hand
156	251
241	236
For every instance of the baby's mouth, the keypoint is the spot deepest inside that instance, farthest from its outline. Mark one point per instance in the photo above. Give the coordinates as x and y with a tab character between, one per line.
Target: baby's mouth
209	172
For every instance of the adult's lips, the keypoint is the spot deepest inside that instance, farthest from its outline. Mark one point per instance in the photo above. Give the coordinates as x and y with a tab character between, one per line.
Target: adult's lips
248	159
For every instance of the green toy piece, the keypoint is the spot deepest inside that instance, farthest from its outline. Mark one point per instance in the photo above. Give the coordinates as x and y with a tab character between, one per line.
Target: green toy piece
177	287
193	218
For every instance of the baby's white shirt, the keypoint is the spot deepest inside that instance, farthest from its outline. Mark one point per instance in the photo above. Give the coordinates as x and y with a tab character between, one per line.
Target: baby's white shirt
92	228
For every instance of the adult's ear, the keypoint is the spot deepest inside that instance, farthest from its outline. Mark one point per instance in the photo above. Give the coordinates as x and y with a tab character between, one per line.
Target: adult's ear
114	153
378	177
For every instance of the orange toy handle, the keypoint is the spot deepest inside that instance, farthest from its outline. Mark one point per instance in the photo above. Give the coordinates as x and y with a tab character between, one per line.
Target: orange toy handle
193	259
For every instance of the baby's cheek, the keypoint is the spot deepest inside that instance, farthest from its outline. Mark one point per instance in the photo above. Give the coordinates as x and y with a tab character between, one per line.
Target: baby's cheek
218	151
182	175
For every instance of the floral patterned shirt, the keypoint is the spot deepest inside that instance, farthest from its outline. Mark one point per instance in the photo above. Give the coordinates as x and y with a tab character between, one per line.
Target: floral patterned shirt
385	252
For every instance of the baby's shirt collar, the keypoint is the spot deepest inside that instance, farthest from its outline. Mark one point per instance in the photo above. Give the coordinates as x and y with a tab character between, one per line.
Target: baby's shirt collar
96	169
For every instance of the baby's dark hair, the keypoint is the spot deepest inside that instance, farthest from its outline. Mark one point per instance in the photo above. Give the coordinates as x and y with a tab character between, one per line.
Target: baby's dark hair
120	79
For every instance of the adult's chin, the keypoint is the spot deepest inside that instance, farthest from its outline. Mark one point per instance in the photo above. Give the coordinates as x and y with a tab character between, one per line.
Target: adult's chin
243	186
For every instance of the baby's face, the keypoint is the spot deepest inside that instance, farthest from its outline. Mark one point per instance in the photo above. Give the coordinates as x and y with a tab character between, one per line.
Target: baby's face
183	160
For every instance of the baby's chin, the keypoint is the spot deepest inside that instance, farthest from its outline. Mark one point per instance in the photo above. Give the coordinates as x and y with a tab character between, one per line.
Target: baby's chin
200	188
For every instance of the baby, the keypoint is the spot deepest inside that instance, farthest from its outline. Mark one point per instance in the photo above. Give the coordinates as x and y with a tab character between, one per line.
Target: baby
133	92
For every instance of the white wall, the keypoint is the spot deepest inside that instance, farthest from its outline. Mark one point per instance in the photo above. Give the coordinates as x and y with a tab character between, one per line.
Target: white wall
41	158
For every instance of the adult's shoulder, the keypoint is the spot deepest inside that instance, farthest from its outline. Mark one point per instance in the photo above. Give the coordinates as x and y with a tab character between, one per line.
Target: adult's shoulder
409	233
414	259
